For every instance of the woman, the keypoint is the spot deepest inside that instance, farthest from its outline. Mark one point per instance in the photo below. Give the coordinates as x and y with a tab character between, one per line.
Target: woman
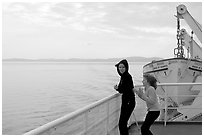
125	87
150	97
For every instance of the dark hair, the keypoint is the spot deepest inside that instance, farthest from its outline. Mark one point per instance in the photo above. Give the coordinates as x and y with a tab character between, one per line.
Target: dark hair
151	80
125	63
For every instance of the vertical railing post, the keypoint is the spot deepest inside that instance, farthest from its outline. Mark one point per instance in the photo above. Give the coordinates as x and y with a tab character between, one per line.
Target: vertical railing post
86	121
165	115
107	126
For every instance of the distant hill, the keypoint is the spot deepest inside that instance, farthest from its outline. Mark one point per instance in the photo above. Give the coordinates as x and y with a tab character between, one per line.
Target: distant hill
130	59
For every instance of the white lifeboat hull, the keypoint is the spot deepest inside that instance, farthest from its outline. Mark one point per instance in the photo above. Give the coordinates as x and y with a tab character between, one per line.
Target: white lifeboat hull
176	70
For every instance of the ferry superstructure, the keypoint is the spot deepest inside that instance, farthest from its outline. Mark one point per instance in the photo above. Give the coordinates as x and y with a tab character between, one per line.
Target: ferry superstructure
186	67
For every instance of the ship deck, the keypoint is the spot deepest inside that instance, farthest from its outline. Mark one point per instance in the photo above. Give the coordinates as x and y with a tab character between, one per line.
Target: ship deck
171	128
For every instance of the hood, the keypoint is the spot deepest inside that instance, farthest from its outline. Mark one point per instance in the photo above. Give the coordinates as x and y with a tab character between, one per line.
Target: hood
125	63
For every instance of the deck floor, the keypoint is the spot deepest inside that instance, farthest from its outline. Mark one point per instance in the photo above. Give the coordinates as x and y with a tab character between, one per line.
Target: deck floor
172	128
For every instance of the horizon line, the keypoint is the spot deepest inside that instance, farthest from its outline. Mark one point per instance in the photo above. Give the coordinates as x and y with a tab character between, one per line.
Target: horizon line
76	58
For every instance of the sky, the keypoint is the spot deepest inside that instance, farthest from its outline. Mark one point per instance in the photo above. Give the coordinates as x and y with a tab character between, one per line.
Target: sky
63	30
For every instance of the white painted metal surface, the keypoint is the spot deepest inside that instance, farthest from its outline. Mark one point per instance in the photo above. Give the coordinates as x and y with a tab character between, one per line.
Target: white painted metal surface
176	70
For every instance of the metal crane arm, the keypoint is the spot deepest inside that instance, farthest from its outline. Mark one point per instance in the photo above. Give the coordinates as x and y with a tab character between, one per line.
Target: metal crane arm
189	43
183	13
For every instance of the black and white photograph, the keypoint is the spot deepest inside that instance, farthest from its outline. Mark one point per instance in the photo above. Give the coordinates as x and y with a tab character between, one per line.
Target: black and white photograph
101	67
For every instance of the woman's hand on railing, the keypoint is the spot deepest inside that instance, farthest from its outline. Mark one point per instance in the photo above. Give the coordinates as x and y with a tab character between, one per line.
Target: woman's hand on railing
116	87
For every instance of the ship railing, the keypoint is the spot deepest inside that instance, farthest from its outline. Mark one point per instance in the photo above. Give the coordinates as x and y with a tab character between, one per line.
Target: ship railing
166	96
100	117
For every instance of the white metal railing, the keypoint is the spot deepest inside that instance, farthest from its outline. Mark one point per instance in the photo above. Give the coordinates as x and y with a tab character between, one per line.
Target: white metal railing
86	120
105	112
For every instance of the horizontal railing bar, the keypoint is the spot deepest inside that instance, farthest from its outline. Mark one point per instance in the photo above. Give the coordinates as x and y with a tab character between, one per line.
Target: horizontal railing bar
178	84
173	84
182	108
178	107
184	96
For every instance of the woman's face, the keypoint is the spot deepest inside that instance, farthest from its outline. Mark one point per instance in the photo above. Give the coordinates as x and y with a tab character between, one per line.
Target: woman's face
144	81
121	68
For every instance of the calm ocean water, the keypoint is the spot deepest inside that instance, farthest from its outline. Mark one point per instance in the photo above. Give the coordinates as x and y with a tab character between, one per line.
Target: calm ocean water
34	94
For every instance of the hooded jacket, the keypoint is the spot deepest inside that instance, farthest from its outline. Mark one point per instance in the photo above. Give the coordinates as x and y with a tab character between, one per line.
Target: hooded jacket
125	85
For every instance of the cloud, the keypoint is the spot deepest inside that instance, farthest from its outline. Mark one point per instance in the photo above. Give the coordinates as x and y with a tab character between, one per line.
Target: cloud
101	17
111	24
156	30
128	19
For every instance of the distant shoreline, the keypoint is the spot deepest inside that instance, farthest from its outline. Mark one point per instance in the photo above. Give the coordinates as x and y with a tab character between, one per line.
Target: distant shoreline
130	59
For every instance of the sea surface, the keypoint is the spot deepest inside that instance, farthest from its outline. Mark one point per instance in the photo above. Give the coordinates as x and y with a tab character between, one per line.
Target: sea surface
34	94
